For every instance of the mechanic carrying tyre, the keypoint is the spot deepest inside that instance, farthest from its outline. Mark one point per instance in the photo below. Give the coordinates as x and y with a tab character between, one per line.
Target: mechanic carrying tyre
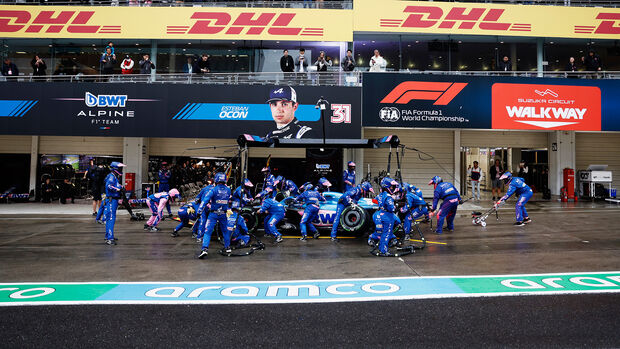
347	199
311	198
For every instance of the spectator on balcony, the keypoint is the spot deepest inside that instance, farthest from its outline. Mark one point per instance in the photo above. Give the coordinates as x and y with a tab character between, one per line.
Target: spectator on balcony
322	63
38	66
377	63
593	62
108	61
348	62
571	66
110	46
127	65
204	64
287	65
190	67
146	65
9	69
505	64
301	63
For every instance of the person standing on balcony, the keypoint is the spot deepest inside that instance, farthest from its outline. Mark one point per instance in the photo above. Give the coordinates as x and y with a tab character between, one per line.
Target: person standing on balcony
204	64
9	69
377	63
505	64
146	65
348	65
190	67
108	60
321	63
593	63
287	65
38	66
127	65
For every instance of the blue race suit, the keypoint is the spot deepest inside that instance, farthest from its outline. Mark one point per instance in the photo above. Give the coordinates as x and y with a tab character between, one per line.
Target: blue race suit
311	198
451	197
348	176
384	218
517	186
291	187
218	198
348	198
236	224
275	213
164	184
415	209
112	193
187	213
202	218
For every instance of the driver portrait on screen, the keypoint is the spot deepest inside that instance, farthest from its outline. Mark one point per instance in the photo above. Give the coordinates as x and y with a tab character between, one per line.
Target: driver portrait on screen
283	104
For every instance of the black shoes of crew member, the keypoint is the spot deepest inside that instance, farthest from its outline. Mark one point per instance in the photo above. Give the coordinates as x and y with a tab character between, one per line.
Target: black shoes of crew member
94	214
110	242
316	235
154	229
303	238
100	221
204	253
519	224
407	237
335	240
174	233
493	198
279	239
170	215
527	220
147	227
228	250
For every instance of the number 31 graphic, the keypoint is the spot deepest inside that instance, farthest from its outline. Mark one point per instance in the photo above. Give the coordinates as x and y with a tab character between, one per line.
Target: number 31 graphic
341	113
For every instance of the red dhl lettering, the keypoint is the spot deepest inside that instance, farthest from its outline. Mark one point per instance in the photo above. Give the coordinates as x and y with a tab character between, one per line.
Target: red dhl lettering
50	22
456	18
250	23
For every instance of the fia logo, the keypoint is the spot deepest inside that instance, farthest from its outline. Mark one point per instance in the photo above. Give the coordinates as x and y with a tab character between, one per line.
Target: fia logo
389	114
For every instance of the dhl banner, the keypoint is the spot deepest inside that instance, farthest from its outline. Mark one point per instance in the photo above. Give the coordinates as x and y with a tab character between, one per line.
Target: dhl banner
176	23
485	19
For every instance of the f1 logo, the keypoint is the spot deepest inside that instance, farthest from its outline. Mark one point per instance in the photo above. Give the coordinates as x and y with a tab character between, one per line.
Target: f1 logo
440	92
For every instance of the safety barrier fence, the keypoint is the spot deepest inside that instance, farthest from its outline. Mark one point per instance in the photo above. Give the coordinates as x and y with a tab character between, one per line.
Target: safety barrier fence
308	79
325	4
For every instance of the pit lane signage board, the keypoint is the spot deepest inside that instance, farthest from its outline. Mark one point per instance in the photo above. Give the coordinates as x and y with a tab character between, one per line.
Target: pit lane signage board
186	23
306	291
175	110
461	18
493	102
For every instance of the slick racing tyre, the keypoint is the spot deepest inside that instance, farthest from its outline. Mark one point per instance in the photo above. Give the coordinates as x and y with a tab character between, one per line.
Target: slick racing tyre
354	219
251	220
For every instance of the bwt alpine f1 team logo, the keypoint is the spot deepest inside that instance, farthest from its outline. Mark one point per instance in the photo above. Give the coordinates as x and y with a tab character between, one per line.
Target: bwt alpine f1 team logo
458	18
37	21
92	100
556	107
250	23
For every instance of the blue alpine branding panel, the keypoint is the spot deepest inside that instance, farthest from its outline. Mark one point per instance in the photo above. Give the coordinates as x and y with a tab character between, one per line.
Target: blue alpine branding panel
15	108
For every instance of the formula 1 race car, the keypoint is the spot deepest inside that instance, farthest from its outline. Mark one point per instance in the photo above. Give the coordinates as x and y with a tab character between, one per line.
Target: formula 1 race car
355	219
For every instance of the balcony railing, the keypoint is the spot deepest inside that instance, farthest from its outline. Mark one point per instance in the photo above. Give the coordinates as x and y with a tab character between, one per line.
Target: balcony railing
304	79
325	4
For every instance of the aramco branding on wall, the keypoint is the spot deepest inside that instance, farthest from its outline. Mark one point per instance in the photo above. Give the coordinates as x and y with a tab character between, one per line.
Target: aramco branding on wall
555	107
